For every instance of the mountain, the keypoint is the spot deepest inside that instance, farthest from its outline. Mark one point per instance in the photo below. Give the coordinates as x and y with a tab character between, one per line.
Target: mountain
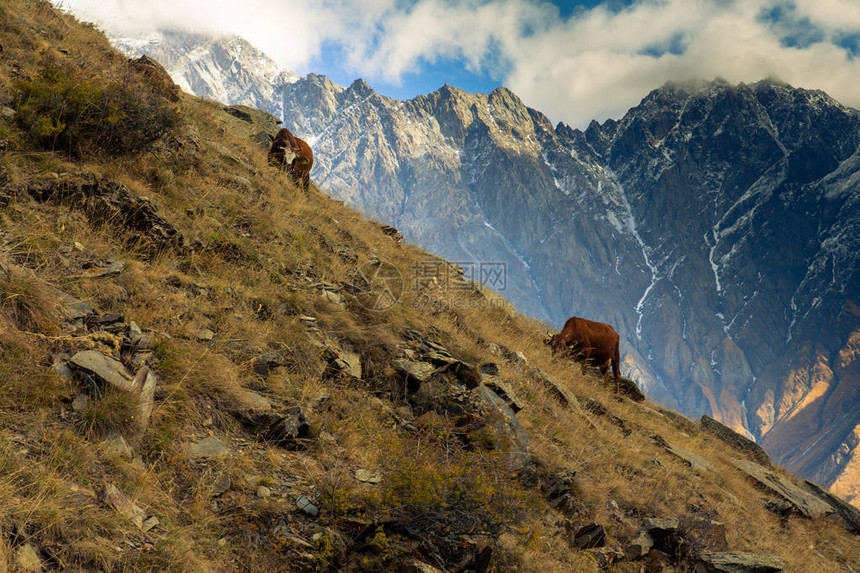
222	68
714	225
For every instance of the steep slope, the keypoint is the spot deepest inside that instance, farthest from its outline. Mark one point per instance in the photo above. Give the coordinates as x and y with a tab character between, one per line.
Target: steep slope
203	368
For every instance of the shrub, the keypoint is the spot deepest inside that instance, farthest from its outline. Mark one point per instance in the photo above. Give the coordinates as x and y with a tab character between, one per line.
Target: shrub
61	111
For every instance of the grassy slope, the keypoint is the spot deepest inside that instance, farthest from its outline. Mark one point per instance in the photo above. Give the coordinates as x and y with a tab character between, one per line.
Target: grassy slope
254	237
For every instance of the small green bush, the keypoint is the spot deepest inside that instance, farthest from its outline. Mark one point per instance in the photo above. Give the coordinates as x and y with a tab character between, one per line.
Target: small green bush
63	112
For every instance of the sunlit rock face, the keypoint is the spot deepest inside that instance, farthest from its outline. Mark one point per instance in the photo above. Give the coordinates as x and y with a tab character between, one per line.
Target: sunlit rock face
716	226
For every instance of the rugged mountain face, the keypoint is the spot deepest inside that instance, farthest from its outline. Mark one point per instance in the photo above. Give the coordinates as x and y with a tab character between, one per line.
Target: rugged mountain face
222	68
745	199
715	226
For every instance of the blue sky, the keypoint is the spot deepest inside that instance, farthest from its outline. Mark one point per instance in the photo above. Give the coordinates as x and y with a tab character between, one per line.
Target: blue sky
573	60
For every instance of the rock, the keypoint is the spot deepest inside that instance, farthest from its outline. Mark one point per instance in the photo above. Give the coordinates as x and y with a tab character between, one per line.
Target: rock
150	523
735	440
221	484
389	231
350	363
144	340
802	499
108	369
206	449
98	271
123	505
134	331
850	515
416	373
237	111
27	558
80	403
466	375
333	297
74	309
555	388
412	565
693	460
489	368
145	384
639	547
711	562
305	504
703	533
285	429
7	112
366	476
263	492
606	556
103	320
116	444
267	362
629	388
205	335
659	526
589	536
505	391
254	401
505	422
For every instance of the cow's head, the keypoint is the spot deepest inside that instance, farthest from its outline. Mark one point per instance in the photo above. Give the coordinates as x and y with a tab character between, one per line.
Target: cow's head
549	339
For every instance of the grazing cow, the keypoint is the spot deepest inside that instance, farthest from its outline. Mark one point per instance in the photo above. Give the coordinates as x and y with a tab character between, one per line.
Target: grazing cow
587	341
292	154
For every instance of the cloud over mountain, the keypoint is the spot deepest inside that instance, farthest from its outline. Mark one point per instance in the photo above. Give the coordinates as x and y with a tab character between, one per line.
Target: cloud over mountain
592	63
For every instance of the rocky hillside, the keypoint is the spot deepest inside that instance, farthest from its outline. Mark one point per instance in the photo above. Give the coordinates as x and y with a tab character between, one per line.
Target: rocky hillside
206	369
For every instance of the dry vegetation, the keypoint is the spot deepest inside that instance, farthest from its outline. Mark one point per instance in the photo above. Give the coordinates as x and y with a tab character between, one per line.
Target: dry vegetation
256	252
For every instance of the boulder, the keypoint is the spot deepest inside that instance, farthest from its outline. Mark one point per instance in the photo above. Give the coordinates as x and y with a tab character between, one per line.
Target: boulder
802	499
207	449
712	562
267	362
285	429
693	460
588	536
504	390
106	368
503	419
416	373
735	440
850	515
307	506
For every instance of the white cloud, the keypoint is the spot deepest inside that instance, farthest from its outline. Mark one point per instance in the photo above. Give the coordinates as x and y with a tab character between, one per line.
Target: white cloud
595	64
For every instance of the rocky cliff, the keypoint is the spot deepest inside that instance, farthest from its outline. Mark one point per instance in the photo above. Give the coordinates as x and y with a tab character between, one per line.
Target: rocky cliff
716	226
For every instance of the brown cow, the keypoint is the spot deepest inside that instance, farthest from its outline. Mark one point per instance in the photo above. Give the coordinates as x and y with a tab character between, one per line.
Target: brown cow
587	341
292	154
